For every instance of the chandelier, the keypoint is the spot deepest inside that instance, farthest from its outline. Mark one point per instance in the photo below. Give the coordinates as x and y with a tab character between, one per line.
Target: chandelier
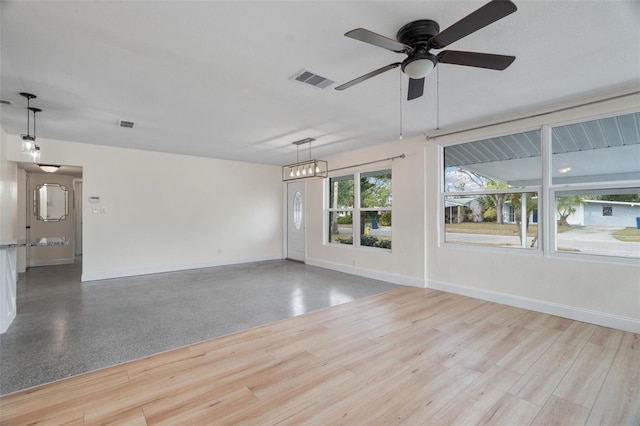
305	169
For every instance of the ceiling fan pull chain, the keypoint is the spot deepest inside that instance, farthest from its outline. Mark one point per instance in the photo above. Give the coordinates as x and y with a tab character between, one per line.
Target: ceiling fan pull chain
400	74
437	98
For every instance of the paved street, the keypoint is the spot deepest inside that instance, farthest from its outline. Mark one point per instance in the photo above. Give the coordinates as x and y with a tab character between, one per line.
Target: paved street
589	240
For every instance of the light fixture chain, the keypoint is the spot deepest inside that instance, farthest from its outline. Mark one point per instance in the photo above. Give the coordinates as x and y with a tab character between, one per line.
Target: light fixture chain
28	110
400	74
437	98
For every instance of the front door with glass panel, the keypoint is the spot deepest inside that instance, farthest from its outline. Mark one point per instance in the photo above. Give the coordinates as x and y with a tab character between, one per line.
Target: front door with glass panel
295	221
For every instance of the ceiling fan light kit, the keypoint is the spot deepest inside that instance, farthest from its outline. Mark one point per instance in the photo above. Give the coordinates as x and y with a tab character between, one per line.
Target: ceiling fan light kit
417	38
419	66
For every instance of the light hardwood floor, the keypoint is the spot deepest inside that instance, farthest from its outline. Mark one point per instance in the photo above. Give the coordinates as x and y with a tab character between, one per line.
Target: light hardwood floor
409	356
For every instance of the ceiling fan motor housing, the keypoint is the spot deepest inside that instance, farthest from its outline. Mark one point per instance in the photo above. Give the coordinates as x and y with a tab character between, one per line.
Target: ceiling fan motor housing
418	33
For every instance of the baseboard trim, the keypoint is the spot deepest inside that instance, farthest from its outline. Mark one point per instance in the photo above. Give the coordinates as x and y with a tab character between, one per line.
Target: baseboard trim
106	275
368	273
575	313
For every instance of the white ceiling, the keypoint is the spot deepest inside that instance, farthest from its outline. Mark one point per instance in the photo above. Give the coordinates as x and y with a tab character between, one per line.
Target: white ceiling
212	78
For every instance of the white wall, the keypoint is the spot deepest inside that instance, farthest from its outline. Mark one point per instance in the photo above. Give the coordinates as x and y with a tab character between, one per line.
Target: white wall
8	192
166	212
405	263
602	292
8	231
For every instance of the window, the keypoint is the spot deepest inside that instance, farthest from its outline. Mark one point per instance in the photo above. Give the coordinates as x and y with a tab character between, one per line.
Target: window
297	210
492	189
592	166
341	196
489	187
375	209
367	221
598	222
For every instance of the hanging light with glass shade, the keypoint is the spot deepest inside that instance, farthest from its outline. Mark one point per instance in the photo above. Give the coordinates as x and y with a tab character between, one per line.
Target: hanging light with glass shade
305	169
28	141
29	145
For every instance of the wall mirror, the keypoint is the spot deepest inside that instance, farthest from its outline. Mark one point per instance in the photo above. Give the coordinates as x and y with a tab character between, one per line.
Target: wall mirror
50	202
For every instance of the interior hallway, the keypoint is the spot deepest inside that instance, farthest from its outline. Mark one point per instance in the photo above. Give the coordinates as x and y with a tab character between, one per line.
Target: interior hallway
64	327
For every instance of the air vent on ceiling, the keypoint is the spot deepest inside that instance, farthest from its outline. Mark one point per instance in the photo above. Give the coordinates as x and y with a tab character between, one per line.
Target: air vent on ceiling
127	124
312	79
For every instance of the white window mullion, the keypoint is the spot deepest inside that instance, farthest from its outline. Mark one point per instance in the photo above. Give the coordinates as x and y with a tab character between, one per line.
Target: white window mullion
546	199
356	210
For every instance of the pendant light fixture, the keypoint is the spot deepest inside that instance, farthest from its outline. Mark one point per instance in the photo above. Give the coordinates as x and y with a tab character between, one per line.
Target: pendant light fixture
305	169
28	141
29	145
35	155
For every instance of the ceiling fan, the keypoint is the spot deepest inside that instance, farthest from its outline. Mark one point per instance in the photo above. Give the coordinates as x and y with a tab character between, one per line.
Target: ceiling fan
417	38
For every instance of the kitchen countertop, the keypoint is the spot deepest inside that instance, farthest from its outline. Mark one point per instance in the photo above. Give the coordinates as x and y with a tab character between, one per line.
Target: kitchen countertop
35	242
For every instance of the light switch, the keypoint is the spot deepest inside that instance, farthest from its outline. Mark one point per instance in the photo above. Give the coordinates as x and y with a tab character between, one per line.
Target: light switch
103	209
94	209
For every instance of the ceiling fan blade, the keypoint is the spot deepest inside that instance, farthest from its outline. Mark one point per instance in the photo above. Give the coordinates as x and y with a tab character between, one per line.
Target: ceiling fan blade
416	88
378	40
476	59
487	14
367	76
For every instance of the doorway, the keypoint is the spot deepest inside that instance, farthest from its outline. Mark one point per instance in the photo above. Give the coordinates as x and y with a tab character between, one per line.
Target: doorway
50	213
68	225
296	221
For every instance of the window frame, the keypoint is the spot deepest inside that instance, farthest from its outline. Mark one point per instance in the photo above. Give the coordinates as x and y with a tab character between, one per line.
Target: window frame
531	189
552	231
538	189
357	209
547	224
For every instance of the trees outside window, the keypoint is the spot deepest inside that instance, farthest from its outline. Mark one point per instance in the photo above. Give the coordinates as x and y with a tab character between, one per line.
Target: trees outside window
486	185
591	197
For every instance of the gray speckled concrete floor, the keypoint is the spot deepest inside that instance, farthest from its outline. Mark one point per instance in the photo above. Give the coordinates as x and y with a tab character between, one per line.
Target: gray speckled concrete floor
64	327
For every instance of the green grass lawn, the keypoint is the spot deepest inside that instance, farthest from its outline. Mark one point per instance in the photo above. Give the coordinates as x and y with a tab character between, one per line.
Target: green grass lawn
629	235
492	228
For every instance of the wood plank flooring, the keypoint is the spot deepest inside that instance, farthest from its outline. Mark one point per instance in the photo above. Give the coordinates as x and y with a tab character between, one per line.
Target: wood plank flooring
408	356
